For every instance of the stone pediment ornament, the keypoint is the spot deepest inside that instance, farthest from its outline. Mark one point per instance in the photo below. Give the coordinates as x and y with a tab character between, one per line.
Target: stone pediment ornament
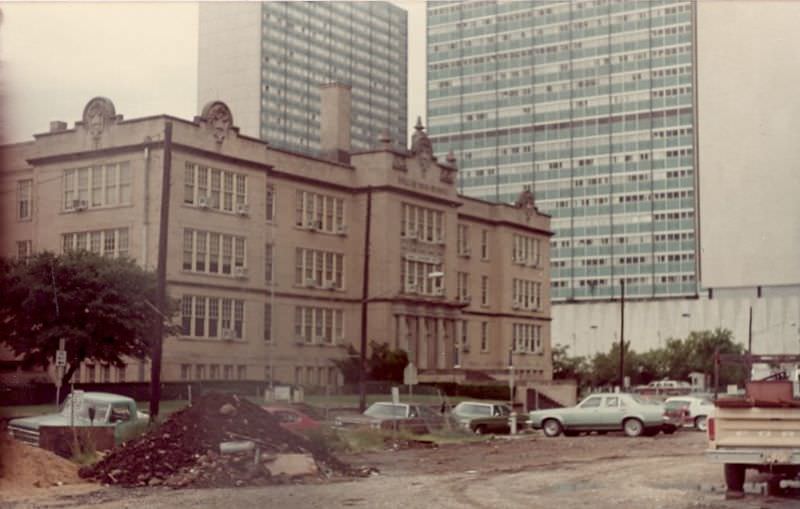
421	147
98	114
218	119
526	201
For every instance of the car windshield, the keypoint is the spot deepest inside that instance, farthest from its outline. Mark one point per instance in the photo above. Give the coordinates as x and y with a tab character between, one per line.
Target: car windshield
672	405
638	399
82	408
472	409
384	410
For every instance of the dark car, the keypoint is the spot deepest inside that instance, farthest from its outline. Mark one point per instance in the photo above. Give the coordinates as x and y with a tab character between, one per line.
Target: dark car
402	416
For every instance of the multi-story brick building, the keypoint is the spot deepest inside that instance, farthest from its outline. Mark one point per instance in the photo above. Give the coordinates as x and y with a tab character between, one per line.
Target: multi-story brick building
273	254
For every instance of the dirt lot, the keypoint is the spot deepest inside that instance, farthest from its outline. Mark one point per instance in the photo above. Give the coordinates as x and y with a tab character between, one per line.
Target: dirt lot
608	472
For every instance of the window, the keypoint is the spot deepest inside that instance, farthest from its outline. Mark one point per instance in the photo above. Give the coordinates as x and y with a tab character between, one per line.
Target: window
241	372
484	244
270	202
24	249
212	317
462	240
186	371
268	322
201	252
319	212
484	290
24	199
90	373
319	269
98	186
213	372
268	263
484	336
462	288
526	295
112	242
227	371
200	372
422	224
106	370
525	250
415	275
593	402
318	325
463	337
527	338
121	373
212	188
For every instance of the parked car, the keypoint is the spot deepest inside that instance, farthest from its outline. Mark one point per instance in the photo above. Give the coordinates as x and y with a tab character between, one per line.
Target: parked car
604	412
483	417
385	415
90	409
697	410
292	419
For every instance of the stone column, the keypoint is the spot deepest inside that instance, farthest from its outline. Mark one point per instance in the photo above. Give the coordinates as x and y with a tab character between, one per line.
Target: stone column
422	342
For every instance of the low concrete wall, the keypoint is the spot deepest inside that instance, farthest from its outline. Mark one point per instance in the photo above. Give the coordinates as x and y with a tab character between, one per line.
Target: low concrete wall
564	392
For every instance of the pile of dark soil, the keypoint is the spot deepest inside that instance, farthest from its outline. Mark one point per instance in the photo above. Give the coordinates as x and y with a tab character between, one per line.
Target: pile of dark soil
185	450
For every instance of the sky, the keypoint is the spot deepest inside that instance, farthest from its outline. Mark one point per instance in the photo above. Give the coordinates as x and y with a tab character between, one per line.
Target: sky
141	55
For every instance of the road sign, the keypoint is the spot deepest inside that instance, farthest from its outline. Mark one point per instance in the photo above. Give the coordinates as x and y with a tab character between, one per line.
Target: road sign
61	358
395	395
410	374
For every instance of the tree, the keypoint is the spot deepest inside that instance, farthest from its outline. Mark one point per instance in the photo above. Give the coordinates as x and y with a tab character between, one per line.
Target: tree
569	368
100	305
382	364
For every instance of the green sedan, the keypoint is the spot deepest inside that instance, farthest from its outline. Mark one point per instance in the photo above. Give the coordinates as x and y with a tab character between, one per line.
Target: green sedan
604	412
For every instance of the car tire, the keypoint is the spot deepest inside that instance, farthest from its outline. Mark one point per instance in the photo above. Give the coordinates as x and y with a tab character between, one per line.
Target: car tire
633	427
552	428
701	423
480	429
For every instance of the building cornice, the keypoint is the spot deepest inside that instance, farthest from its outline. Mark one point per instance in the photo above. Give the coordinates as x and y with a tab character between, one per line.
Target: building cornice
506	222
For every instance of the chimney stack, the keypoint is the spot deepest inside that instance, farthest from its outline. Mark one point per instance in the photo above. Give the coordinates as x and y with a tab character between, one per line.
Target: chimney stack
57	125
334	132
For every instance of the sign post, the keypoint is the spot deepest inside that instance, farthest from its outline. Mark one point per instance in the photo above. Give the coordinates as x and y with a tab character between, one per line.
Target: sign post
61	362
410	378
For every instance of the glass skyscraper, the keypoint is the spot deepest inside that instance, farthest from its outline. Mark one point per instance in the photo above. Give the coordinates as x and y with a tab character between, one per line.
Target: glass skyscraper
590	104
267	61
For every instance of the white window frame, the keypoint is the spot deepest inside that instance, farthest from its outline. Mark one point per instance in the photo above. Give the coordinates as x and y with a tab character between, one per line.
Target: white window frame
326	268
224	189
320	212
118	237
232	248
226	311
25	200
118	193
315	325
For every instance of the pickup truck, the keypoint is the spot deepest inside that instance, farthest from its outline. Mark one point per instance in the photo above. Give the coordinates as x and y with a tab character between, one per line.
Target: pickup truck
759	430
105	408
482	417
387	416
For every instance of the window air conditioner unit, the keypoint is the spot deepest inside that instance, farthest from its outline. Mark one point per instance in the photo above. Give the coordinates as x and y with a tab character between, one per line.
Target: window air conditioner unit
466	252
411	289
515	305
80	205
341	229
240	272
466	298
242	209
465	347
319	339
329	285
311	283
411	233
439	292
317	225
228	334
203	202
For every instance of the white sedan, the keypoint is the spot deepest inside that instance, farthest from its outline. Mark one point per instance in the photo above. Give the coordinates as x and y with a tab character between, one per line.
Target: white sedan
698	409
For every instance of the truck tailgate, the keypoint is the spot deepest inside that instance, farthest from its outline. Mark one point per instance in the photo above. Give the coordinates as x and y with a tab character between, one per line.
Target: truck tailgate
757	427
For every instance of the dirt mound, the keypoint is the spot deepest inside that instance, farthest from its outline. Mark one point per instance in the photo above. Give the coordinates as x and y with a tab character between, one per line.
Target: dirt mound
185	449
23	467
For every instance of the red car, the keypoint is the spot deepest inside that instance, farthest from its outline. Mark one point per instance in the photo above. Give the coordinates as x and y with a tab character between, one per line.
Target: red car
293	420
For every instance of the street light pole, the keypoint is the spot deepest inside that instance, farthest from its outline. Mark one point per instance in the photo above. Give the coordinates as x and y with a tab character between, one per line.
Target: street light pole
622	336
362	368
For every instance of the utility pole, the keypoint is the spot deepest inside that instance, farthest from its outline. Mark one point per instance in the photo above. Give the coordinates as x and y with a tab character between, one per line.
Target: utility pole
362	368
622	336
161	297
750	333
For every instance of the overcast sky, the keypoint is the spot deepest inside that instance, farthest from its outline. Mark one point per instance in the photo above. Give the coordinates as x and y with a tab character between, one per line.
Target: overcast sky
142	56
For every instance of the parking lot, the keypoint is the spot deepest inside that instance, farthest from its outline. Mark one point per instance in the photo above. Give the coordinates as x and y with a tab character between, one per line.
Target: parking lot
610	471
